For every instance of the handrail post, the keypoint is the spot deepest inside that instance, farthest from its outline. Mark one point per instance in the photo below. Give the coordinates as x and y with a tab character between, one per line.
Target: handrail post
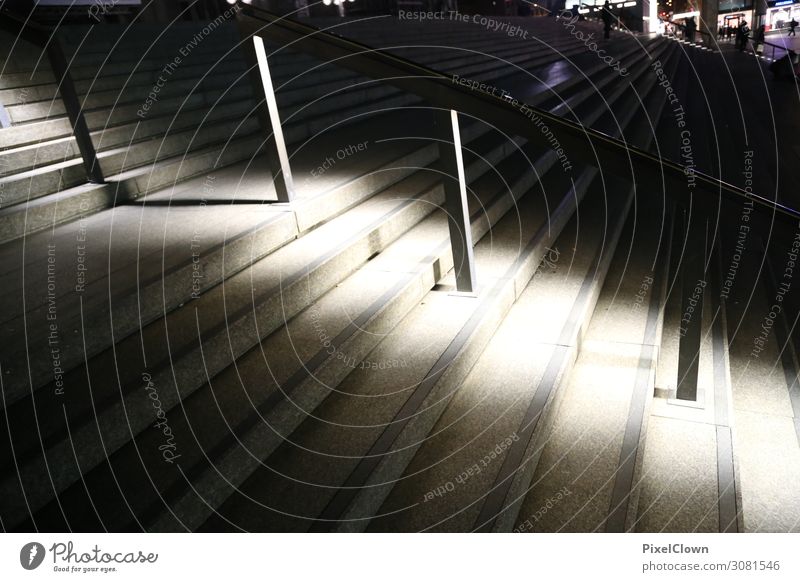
451	164
693	285
41	37
267	112
438	90
66	88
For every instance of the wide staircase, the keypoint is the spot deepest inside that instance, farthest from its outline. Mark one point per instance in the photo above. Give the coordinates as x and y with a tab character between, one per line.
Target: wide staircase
181	353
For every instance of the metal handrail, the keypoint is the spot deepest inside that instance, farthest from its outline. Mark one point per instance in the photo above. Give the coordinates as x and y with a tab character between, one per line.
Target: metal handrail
602	151
774	45
769	44
45	39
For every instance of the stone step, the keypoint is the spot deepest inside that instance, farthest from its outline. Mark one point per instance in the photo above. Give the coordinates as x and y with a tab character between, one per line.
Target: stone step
15	222
312	214
507	505
67	174
375	224
601	473
459	477
140	77
337	426
694	436
573	463
387	287
63	205
106	100
90	51
474	467
46	180
686	479
391	290
38	132
350	182
765	400
28	157
85	66
29	217
550	161
291	90
369	499
30	103
216	383
70	174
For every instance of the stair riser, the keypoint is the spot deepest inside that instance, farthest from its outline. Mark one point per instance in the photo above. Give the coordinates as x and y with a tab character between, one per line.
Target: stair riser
284	70
306	397
48	183
271	314
369	499
21	160
33	219
137	95
117	422
123	160
307	217
569	354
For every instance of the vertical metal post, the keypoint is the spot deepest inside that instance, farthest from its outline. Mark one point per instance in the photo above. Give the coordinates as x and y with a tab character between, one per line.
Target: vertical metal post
451	164
268	117
69	96
693	283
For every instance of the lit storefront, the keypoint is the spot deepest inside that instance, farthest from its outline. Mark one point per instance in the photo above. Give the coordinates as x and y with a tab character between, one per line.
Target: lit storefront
587	6
733	12
781	12
632	14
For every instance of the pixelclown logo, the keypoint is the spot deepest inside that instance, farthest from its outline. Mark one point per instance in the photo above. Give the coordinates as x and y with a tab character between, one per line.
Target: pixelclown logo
31	555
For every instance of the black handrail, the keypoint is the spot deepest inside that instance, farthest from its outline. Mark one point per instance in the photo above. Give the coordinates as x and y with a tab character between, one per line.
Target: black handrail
770	44
45	38
439	90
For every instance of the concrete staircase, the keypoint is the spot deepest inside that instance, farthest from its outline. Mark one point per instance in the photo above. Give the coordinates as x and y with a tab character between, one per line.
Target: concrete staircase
180	355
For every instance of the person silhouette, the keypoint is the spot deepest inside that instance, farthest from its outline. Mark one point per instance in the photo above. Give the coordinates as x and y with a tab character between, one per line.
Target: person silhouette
691	27
758	40
608	19
744	35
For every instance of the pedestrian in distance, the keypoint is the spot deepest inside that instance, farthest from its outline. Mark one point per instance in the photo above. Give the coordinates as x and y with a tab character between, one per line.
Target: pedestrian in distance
758	43
792	26
691	27
608	19
744	35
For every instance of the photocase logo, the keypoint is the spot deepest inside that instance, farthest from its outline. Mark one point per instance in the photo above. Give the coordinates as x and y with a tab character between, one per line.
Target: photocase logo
31	555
